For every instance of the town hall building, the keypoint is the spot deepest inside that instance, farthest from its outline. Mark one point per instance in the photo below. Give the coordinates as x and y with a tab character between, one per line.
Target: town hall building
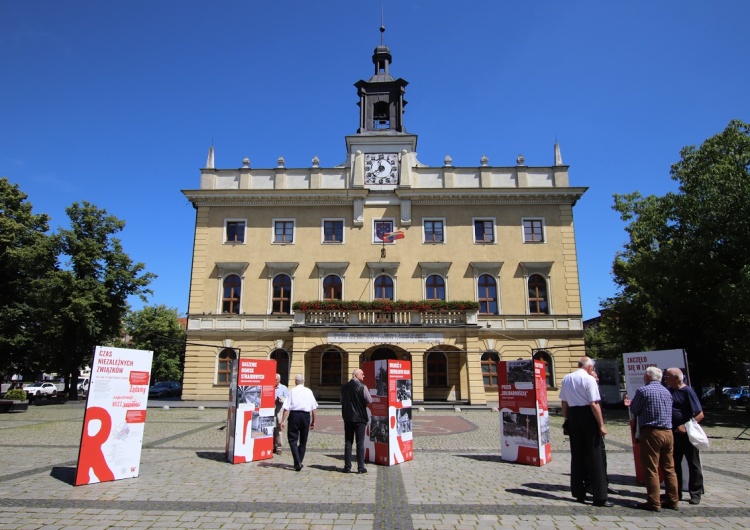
384	257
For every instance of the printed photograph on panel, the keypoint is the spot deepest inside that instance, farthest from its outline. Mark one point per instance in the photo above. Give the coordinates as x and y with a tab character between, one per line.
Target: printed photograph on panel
379	429
520	429
381	377
545	429
520	372
403	389
262	426
249	394
403	420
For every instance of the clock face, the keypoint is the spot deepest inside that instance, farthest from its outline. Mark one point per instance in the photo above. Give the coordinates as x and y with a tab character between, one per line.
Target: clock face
381	168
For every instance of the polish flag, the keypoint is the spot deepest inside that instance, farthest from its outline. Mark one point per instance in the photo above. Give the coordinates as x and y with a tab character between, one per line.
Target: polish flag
392	236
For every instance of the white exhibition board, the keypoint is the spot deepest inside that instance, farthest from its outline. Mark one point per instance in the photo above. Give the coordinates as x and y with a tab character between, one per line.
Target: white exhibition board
112	434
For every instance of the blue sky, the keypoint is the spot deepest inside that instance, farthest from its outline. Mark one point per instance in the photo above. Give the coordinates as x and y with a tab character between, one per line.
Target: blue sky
117	103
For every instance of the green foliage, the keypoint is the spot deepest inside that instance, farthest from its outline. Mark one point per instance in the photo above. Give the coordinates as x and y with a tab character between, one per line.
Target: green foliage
385	305
26	255
684	276
87	296
157	328
17	394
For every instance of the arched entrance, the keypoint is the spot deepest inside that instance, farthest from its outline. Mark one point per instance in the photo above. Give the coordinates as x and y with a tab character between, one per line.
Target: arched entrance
381	351
282	364
442	368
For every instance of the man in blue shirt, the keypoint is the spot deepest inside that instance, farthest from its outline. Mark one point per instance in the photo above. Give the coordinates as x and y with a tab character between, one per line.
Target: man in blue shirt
652	405
685	406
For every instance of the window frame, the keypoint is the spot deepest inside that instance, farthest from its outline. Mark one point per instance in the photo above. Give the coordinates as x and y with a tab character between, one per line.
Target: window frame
492	221
375	287
224	366
323	222
542	229
496	299
284	220
340	287
440	220
427	287
226	239
231	300
281	300
490	358
537	299
549	364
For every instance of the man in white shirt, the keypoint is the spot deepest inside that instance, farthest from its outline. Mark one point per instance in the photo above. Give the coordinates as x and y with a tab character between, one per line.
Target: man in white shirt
584	423
299	406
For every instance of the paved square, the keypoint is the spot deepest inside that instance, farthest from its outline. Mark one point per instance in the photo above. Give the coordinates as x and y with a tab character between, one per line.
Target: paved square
456	480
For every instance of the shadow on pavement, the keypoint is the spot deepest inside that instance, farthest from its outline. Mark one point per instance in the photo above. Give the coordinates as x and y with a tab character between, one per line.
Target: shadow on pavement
64	474
212	455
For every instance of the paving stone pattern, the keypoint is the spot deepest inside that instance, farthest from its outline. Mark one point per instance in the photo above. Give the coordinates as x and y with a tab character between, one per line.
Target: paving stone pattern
456	480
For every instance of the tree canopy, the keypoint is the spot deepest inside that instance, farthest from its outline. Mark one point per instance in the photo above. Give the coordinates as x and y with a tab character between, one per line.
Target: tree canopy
684	276
157	328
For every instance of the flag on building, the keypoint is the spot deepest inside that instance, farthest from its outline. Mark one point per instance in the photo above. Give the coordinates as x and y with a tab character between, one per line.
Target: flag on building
392	236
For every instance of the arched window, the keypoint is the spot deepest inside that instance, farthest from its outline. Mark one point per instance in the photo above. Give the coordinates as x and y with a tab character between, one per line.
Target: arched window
282	295
230	300
332	287
282	365
382	353
383	288
330	368
489	368
381	115
224	366
538	295
435	288
437	369
487	295
546	358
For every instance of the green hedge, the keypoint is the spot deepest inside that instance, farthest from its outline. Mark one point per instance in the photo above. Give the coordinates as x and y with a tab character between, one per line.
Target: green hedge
16	394
385	305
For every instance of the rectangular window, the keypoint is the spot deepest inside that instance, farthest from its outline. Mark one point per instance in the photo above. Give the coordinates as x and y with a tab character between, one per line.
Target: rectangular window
484	231
333	231
434	230
533	230
234	231
283	231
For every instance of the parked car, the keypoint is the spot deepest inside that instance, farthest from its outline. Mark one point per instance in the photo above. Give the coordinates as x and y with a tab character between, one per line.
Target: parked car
165	389
39	389
738	395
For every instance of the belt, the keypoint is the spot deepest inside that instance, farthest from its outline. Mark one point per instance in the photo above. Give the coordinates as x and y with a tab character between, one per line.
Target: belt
656	428
293	411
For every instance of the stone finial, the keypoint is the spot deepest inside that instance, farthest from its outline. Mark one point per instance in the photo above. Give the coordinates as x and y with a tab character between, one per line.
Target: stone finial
484	160
246	162
210	159
558	155
315	162
520	161
280	162
448	161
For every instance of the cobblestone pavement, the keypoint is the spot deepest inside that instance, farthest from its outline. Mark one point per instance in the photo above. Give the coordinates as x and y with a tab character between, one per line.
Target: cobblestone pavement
456	480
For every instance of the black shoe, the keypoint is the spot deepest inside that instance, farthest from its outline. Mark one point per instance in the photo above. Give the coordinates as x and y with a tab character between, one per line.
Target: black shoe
695	499
670	506
299	467
604	504
346	470
361	471
610	490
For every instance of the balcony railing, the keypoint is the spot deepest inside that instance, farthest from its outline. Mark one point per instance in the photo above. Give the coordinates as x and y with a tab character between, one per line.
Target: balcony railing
384	318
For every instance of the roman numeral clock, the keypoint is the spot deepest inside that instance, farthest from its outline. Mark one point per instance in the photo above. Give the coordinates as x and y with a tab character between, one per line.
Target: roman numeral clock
381	168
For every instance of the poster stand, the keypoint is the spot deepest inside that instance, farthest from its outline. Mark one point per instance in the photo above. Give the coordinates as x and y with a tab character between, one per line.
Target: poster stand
113	424
389	437
635	367
250	412
524	412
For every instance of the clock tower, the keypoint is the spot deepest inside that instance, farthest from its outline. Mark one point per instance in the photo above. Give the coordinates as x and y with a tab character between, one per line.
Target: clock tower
377	151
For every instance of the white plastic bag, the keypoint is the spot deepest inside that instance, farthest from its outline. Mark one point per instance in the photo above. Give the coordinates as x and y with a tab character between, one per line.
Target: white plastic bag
696	435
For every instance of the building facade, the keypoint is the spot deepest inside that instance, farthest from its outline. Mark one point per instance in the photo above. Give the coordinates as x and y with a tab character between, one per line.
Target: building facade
323	268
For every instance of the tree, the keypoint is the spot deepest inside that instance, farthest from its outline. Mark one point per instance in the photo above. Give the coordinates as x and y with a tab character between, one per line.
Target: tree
157	328
26	255
684	276
87	297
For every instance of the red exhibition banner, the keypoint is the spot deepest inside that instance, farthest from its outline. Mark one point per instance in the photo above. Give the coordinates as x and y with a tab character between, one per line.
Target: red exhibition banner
388	438
524	412
250	417
112	434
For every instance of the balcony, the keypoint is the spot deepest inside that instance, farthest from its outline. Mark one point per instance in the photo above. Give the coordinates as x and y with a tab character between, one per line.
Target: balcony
370	317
